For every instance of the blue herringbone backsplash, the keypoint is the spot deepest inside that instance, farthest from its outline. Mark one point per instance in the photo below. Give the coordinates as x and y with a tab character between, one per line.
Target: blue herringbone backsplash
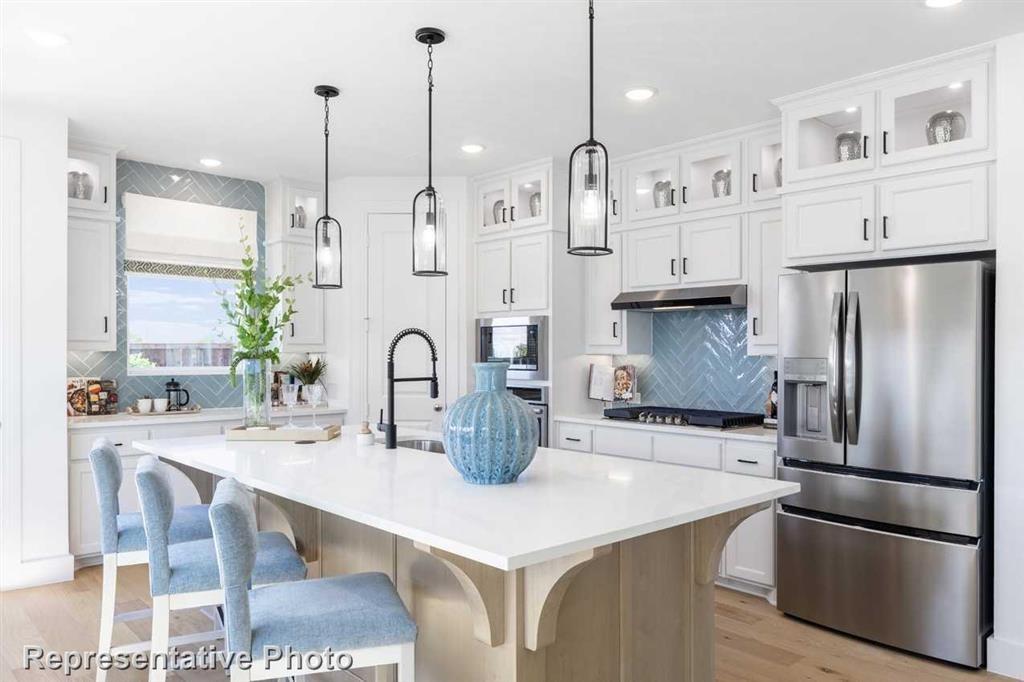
200	188
700	361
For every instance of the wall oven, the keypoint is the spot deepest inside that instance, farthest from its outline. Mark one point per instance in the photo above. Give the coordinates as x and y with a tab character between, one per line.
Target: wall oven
520	341
537	398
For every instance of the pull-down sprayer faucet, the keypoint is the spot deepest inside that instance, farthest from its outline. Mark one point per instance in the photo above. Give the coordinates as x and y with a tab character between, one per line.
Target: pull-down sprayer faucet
389	428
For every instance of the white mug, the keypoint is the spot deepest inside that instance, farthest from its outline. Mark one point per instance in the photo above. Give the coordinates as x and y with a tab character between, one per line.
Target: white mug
144	405
159	404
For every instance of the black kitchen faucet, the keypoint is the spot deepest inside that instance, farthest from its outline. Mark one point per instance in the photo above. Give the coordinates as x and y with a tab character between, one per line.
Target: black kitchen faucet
389	428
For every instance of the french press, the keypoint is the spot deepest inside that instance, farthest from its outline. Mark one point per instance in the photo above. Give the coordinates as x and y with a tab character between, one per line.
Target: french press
175	399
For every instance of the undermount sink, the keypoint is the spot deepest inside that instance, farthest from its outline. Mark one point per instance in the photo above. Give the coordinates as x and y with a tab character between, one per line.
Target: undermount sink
422	444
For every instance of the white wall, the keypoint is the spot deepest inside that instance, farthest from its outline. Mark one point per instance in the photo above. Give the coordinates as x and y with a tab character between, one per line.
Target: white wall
1006	646
33	345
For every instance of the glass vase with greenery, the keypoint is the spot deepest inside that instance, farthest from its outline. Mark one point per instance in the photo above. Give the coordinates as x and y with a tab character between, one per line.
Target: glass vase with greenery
258	310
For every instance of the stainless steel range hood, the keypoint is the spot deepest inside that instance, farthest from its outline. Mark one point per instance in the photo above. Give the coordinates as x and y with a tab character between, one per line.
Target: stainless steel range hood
729	296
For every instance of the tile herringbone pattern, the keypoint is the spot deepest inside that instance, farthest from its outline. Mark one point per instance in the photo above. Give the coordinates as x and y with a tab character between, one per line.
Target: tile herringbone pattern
201	188
700	360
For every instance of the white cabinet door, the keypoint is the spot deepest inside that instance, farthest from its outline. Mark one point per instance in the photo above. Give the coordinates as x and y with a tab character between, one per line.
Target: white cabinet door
712	177
765	266
750	551
694	451
492	206
652	257
813	133
713	250
604	331
616	205
631	443
529	277
303	205
654	187
830	223
91	176
92	287
937	209
530	197
493	264
305	333
764	157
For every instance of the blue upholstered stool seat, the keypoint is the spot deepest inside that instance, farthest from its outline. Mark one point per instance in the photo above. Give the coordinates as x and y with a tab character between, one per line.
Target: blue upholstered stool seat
189	523
194	564
345	613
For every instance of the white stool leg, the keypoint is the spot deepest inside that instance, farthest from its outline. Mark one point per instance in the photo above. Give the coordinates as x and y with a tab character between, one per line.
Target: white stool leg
107	606
407	664
158	638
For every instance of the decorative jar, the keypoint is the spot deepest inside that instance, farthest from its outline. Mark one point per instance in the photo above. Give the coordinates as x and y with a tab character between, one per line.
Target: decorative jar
490	435
946	126
721	183
256	393
848	146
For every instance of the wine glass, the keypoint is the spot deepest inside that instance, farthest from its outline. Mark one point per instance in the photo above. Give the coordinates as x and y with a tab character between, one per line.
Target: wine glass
313	393
290	396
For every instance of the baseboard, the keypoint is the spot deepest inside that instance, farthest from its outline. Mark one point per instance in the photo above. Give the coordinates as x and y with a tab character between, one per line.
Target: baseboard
753	589
1006	657
55	569
85	560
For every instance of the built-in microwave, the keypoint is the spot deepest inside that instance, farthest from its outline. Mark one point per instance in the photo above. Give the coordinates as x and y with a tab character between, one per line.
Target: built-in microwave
522	342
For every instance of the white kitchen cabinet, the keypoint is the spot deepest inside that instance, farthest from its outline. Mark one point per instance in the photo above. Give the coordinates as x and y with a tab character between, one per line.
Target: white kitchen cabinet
652	257
91	174
906	108
493	274
578	437
694	451
764	258
835	222
712	250
653	186
306	332
616	203
304	204
935	209
811	135
750	550
631	443
92	284
612	332
492	204
530	197
712	177
528	288
764	156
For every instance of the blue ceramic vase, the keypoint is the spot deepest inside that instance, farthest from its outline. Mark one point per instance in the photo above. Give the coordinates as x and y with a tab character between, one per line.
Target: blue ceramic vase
490	435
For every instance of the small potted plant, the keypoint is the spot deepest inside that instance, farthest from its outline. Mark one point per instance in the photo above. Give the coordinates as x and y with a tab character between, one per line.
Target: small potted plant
310	374
258	310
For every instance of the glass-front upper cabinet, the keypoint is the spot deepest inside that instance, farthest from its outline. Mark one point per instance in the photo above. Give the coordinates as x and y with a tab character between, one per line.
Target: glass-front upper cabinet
303	206
764	154
530	196
711	177
942	114
654	187
492	206
90	178
615	197
829	138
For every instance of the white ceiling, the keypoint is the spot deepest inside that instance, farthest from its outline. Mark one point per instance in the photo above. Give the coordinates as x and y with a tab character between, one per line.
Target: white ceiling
176	81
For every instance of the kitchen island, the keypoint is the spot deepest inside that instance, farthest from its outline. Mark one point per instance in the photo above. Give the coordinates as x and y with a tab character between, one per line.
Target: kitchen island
589	568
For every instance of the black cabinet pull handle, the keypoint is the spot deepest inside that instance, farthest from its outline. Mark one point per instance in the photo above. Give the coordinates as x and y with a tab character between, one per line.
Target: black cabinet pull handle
615	207
866	230
865	145
292	215
119	445
104	194
615	330
512	213
674	196
512	295
753	182
105	324
885	141
747	461
572	440
685	259
673	200
753	323
293	329
503	212
672	267
885	227
504	296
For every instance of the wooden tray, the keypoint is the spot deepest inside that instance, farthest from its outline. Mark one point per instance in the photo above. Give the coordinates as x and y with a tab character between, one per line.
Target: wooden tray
282	434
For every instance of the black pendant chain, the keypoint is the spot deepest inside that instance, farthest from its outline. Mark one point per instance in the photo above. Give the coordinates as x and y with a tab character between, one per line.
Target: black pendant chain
591	70
430	115
327	134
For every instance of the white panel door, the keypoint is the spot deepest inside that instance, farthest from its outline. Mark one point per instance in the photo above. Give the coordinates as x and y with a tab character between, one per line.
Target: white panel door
92	289
492	207
653	187
529	278
529	196
765	266
652	257
712	177
713	250
306	331
493	273
397	300
938	209
750	552
813	134
604	332
830	223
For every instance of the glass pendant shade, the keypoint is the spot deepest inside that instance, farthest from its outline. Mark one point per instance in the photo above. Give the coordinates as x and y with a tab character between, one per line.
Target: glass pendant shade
588	200
429	235
328	254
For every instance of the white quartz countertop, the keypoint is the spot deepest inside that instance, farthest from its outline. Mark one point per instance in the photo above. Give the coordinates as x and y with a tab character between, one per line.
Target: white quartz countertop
751	433
564	503
218	414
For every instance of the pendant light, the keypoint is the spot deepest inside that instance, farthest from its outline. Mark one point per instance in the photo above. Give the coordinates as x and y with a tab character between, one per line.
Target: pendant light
588	185
327	230
429	222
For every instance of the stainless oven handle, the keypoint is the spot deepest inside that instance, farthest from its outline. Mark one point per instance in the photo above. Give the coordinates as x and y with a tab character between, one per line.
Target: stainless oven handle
834	368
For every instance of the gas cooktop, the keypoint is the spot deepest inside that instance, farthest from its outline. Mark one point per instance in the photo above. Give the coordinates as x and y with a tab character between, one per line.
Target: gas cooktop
681	416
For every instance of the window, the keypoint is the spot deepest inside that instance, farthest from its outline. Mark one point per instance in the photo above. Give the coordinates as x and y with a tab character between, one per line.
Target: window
176	324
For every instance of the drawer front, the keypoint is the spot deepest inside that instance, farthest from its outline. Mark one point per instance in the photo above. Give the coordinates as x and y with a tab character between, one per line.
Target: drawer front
185	430
80	442
750	458
575	437
622	443
694	451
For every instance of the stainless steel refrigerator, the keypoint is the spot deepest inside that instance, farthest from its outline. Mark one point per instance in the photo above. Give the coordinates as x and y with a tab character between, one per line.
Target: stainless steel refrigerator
885	379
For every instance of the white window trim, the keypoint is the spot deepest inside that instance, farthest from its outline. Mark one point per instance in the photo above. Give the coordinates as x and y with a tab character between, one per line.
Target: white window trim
175	371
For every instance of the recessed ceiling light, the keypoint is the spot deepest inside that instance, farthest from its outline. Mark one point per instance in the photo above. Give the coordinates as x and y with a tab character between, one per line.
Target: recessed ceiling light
851	110
939	4
640	94
956	85
473	148
210	163
48	39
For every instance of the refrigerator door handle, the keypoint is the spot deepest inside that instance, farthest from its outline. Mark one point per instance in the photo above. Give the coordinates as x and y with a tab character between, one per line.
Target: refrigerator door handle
834	376
851	369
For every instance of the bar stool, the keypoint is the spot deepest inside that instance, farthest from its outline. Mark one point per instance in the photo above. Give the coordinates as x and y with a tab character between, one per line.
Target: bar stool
184	575
360	615
123	540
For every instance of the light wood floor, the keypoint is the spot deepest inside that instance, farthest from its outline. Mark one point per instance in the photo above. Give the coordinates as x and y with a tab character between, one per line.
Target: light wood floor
755	643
